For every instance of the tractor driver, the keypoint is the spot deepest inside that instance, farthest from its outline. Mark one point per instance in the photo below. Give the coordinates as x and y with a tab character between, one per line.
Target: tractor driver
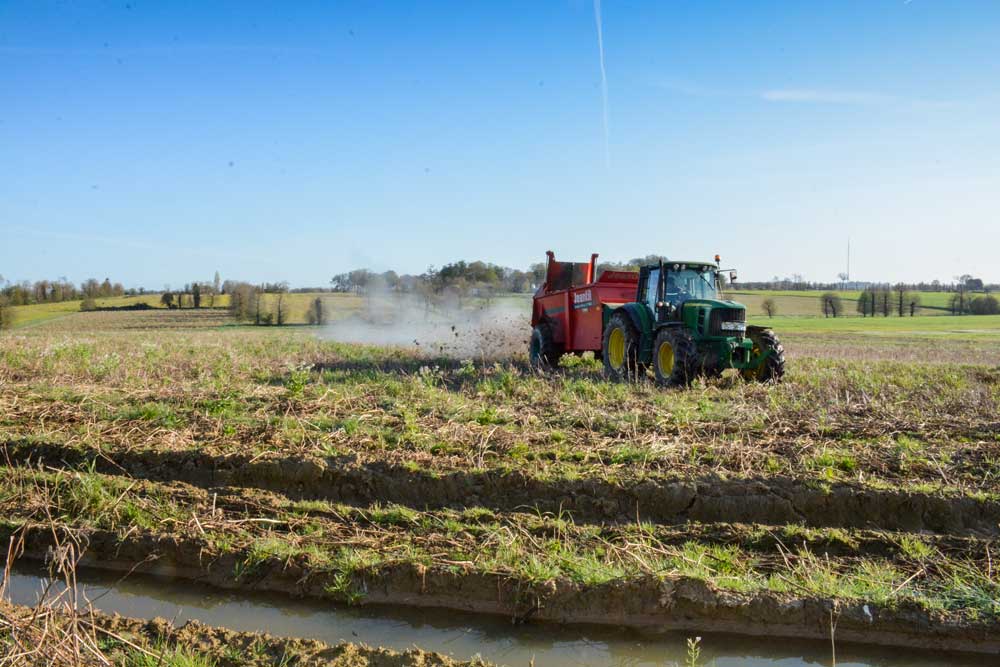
674	293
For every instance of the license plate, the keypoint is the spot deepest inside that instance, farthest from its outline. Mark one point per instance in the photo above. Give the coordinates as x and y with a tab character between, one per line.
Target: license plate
734	326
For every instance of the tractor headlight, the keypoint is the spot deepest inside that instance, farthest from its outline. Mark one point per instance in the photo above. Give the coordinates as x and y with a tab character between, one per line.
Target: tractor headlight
734	326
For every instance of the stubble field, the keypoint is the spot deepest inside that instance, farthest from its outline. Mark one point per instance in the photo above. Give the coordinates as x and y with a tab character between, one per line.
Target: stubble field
864	488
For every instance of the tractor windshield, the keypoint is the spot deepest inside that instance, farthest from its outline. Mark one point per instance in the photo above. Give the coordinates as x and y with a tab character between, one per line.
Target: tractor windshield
689	284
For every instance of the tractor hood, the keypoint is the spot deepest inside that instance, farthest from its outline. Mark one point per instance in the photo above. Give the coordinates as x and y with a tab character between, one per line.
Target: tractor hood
715	318
714	303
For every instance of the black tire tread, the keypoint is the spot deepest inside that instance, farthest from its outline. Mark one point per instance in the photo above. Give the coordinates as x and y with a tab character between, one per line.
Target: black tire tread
632	369
686	357
774	365
549	352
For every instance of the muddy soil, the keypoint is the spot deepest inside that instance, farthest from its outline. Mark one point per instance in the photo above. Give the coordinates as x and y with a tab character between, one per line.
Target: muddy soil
771	500
669	603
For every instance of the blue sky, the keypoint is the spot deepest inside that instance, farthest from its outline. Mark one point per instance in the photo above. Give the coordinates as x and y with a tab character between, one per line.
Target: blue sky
158	142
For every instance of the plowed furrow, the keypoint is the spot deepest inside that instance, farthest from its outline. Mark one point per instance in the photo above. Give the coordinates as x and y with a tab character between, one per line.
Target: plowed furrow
771	500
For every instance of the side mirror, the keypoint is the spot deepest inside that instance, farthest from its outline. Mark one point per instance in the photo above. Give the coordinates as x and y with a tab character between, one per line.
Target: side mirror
732	276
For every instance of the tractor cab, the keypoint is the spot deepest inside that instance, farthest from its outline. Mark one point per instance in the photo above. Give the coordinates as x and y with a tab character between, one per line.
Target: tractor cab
689	292
665	287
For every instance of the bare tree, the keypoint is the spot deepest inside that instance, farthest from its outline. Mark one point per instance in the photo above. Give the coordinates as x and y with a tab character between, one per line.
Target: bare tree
958	303
875	300
769	306
42	291
167	299
866	303
317	312
831	305
6	314
884	301
243	301
902	299
282	314
213	289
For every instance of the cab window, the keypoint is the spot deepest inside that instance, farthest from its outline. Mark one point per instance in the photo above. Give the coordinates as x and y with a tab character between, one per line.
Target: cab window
651	286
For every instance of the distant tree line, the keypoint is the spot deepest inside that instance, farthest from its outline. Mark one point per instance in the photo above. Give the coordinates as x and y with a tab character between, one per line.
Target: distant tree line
26	293
461	276
453	282
886	300
901	301
195	294
796	283
266	304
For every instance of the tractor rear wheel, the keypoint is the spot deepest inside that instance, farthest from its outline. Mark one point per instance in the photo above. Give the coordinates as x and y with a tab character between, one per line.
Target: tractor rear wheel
620	348
773	368
543	353
675	357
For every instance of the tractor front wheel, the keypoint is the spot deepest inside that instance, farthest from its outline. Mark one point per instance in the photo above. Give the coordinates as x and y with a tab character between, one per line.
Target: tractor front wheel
621	349
772	369
675	357
543	353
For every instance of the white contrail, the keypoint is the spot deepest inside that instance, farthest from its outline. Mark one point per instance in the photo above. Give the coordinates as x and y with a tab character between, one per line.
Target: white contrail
604	83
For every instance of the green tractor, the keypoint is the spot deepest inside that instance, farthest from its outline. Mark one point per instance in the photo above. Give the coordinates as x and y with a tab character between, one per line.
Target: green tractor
681	327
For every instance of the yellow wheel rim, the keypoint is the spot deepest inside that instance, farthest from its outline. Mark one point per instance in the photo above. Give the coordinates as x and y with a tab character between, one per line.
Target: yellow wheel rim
616	348
665	358
753	373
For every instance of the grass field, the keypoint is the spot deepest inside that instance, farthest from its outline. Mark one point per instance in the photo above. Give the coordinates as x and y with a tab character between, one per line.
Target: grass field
266	457
297	304
27	316
931	325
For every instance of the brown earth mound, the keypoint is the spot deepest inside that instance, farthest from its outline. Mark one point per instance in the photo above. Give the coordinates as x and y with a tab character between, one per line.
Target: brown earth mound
664	499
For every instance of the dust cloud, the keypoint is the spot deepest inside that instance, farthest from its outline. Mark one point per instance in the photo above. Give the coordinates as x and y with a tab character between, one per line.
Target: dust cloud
471	328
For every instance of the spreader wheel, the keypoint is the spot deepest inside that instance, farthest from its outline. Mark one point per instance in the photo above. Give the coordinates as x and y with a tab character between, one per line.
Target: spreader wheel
621	349
675	357
543	353
773	367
